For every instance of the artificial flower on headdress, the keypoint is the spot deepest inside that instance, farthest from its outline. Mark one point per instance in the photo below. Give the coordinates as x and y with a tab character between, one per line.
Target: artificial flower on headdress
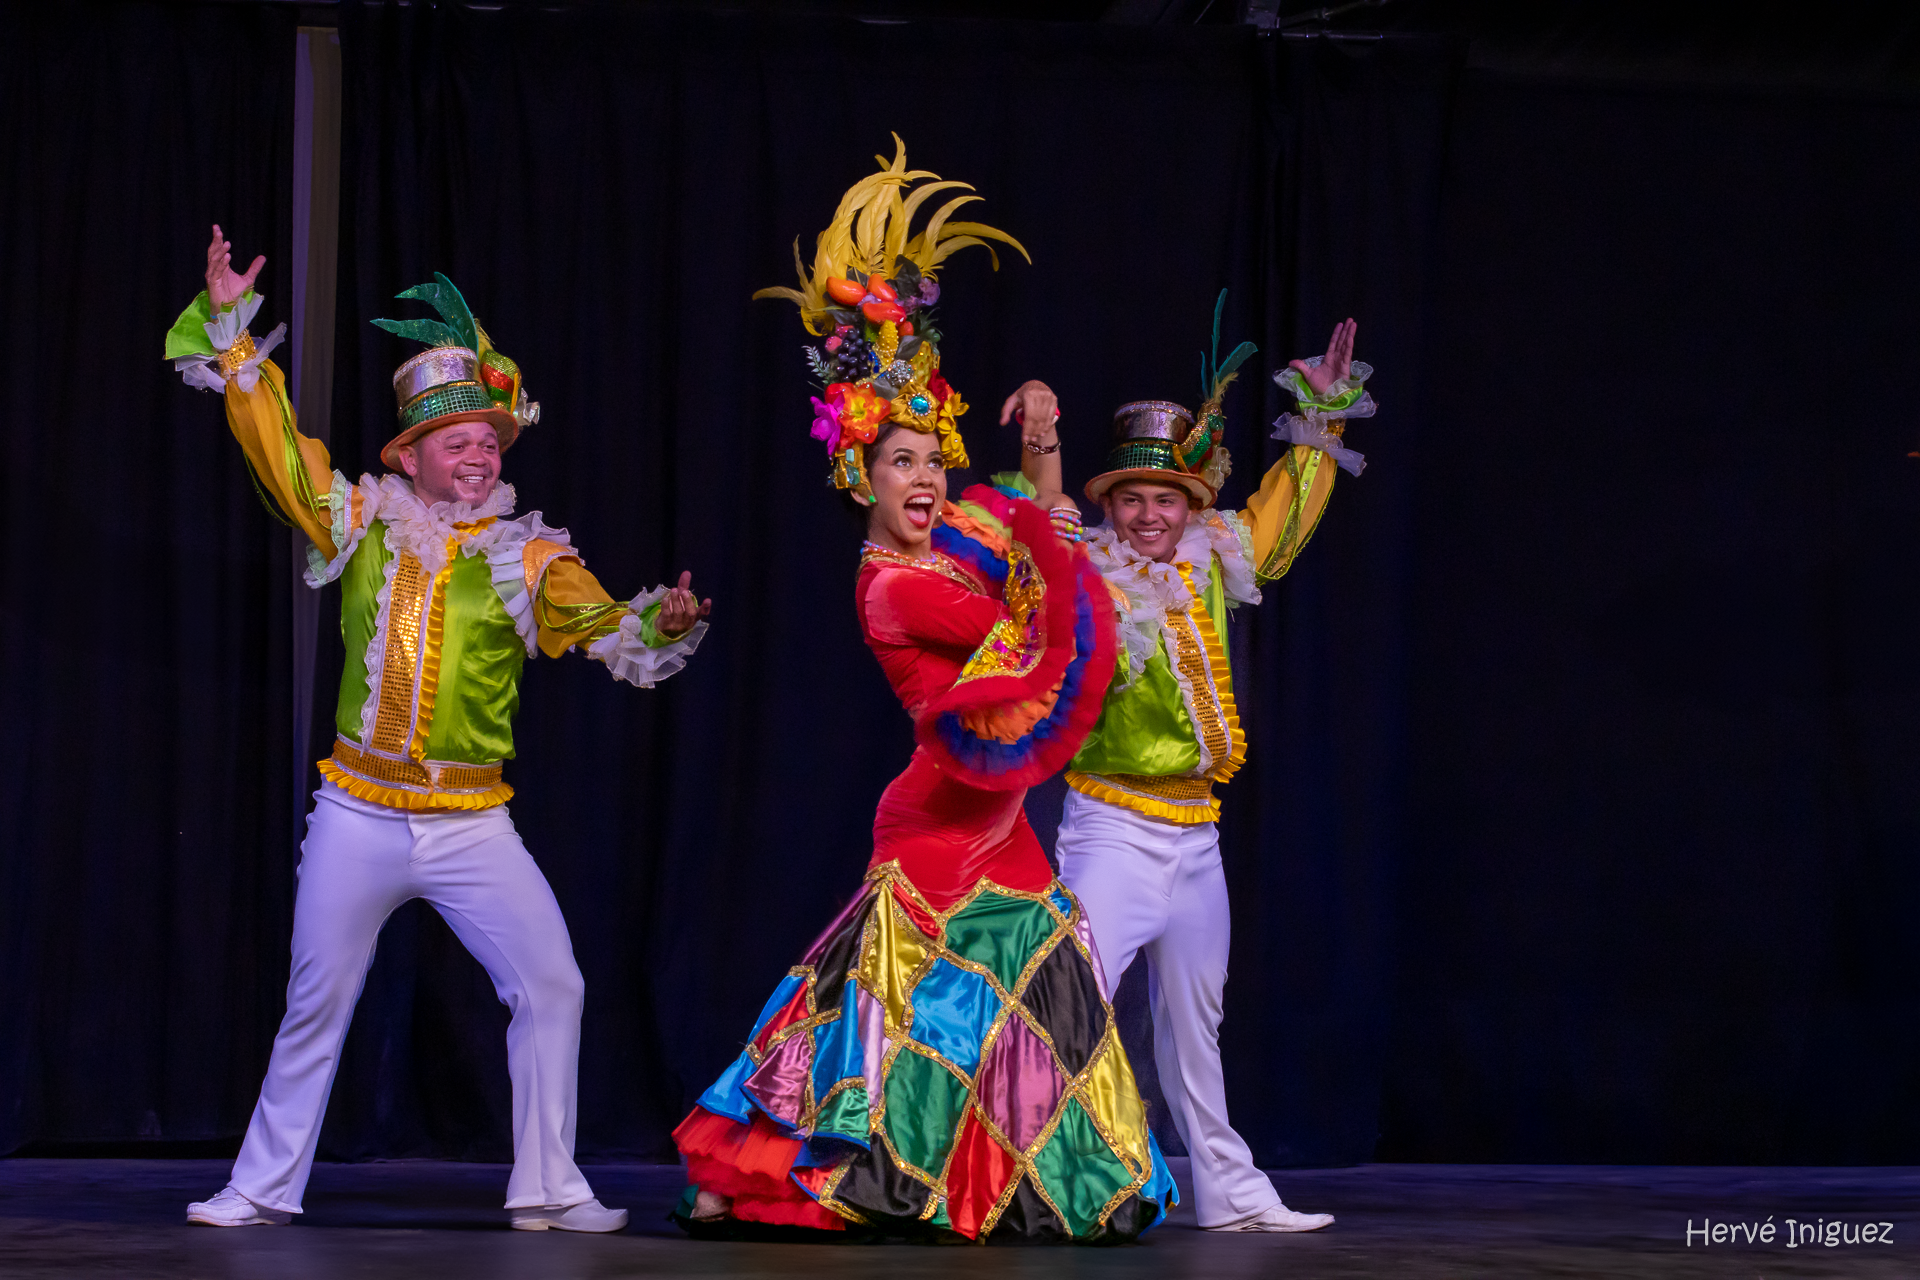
826	421
869	298
862	411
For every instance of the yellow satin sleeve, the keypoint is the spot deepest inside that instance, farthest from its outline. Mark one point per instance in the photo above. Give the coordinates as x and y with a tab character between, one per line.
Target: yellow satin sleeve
294	470
572	607
1283	515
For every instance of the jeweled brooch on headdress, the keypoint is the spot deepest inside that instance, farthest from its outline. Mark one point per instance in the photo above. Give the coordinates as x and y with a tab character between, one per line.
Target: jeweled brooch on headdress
870	299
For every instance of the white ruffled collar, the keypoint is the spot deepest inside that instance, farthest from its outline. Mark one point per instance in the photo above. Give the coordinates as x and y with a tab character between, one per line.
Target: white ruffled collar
424	530
398	490
1152	588
1208	534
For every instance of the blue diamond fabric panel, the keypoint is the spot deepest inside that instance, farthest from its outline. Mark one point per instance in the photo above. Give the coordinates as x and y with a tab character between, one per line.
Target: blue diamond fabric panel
952	1010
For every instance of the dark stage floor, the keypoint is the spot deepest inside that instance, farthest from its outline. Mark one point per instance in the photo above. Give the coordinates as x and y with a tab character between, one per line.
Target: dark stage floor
420	1219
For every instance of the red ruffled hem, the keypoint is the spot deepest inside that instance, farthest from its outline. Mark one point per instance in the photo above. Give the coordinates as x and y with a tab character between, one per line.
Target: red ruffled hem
753	1164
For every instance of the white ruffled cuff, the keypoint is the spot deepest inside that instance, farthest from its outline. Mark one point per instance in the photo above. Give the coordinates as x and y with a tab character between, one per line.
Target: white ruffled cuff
1312	426
632	659
1313	432
320	570
223	331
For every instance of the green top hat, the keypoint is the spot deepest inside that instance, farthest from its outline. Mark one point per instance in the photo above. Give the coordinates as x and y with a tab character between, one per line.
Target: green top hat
460	377
1147	440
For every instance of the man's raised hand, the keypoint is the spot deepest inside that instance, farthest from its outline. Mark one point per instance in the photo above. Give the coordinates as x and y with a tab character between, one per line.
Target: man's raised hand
1336	364
679	609
224	284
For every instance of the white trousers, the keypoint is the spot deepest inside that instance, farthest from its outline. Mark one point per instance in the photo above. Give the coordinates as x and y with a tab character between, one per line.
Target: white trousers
359	862
1158	887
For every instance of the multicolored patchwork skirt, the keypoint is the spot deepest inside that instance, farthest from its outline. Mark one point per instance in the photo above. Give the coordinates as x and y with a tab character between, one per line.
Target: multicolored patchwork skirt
922	1071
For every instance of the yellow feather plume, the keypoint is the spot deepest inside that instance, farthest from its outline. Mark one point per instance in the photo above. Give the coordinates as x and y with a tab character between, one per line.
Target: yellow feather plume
871	230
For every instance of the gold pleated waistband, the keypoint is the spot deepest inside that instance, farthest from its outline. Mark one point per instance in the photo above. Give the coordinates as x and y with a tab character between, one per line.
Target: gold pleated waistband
1175	798
425	778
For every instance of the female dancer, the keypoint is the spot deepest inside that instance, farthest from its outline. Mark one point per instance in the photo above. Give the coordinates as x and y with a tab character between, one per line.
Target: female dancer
942	1059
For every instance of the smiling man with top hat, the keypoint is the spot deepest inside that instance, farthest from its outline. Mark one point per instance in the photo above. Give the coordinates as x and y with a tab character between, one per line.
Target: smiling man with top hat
1138	843
445	595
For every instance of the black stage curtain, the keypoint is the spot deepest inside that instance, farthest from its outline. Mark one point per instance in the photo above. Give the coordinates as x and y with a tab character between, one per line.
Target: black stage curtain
1657	902
1574	826
146	874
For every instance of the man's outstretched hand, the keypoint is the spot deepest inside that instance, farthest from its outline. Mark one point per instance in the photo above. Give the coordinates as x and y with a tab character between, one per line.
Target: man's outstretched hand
224	284
679	610
1334	366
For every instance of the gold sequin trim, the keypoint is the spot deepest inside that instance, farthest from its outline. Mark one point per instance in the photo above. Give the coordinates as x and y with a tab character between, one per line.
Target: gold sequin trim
237	355
430	637
400	674
1190	655
941	563
1219	675
1017	642
1172	790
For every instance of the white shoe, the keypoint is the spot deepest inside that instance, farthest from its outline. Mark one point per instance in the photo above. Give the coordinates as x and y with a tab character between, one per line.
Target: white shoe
588	1215
1281	1218
231	1209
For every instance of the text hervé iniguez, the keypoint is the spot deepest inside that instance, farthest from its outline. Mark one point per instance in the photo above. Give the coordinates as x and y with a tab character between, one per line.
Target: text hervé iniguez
1793	1233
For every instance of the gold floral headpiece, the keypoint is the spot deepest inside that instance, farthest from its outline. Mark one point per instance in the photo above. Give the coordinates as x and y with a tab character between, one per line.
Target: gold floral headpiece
870	298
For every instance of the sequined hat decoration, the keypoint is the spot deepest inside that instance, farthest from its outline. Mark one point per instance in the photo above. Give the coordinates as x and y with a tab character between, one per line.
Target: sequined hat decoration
1159	441
870	298
461	377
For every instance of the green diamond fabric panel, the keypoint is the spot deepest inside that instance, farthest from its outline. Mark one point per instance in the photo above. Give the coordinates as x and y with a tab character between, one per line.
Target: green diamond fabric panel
925	1101
1078	1172
1001	933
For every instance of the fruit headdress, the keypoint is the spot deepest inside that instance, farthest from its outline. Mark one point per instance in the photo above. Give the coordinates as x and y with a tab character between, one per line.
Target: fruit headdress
870	298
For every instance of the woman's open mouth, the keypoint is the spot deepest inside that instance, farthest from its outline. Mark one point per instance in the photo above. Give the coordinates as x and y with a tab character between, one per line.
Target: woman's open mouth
919	509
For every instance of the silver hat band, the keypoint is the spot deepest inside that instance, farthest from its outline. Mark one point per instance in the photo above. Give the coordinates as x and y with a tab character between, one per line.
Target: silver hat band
434	367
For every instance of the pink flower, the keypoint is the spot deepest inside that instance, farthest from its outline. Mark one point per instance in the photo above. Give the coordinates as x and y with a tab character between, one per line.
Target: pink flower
826	422
834	343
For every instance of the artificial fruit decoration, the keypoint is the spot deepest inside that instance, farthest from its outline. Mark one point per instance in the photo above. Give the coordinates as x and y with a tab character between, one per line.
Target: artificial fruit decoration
846	292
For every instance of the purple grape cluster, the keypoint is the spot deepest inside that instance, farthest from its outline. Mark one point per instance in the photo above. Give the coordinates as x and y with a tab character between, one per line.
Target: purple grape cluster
852	359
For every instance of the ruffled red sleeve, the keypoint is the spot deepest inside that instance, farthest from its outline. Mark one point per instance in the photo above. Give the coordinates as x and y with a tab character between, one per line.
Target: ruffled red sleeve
906	606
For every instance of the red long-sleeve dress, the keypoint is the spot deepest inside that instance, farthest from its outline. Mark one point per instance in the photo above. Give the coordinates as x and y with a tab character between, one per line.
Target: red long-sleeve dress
942	1057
